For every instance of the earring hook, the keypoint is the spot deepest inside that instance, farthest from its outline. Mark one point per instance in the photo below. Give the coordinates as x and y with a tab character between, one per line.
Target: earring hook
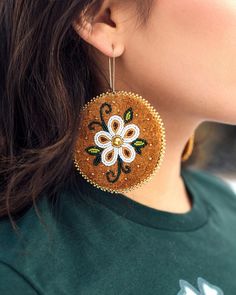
112	70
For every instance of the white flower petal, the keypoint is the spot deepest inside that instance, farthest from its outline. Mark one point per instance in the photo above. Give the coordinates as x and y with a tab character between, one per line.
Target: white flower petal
102	139
109	156
208	289
115	125
187	289
127	153
130	133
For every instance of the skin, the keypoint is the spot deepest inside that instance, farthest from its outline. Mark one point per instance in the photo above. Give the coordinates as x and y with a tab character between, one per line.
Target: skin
182	61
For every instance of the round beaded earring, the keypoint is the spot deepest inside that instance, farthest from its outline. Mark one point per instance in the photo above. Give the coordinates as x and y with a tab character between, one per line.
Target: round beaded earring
121	140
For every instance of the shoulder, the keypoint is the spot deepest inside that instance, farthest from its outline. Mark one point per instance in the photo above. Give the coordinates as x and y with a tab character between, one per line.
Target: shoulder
47	246
30	233
8	275
69	214
38	243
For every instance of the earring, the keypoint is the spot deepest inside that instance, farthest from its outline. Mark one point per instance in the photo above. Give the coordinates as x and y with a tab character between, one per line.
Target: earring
121	140
187	152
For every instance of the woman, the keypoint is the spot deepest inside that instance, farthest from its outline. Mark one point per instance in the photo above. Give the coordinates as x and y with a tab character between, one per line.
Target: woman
172	234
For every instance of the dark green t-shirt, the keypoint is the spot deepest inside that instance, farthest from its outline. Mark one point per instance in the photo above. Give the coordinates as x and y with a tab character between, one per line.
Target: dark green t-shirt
98	243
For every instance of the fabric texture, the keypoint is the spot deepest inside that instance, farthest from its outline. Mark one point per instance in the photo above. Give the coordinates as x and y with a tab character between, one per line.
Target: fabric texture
93	242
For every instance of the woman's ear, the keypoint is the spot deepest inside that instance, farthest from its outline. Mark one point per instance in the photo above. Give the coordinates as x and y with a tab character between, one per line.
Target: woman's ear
103	31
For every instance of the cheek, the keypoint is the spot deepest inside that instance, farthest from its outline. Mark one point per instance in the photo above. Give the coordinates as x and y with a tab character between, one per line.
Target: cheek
200	34
193	53
215	16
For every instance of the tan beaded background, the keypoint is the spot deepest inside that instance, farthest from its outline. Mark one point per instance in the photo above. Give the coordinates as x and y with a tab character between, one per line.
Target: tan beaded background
151	129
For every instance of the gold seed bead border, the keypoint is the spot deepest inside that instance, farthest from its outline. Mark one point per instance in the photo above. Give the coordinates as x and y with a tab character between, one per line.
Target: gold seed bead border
156	115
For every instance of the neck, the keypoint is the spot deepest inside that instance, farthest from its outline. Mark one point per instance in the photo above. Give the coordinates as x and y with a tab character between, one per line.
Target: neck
165	190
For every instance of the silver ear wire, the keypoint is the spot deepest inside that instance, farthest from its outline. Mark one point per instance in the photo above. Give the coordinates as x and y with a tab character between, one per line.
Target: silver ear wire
112	70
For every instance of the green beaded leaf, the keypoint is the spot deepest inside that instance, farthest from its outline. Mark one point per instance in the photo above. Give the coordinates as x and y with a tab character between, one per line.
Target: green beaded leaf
93	150
128	115
139	142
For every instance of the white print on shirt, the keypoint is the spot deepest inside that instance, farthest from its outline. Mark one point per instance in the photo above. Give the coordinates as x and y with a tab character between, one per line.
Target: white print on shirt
204	287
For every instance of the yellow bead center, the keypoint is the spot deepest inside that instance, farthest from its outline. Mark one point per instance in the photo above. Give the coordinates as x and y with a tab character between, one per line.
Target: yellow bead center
117	141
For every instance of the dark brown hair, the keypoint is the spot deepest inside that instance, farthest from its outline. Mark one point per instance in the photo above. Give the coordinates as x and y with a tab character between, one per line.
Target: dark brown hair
46	75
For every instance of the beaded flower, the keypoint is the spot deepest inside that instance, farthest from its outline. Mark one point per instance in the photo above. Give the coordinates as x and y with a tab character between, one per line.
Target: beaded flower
118	142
